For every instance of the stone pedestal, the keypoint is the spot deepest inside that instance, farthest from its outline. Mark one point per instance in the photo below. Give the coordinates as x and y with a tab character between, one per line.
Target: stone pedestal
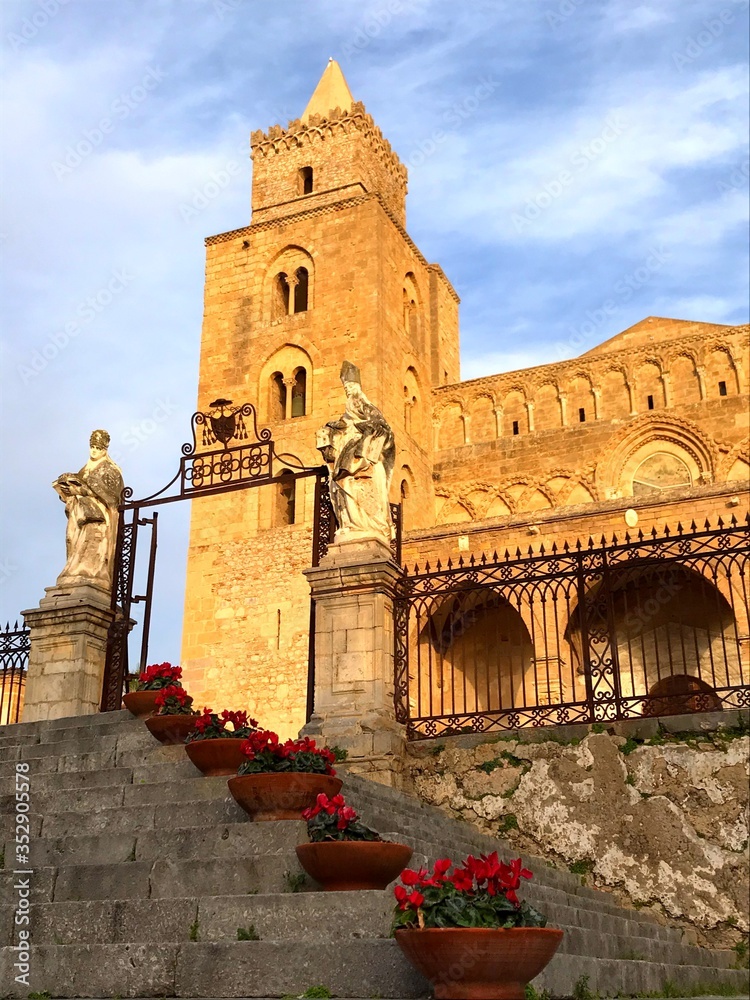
353	593
68	650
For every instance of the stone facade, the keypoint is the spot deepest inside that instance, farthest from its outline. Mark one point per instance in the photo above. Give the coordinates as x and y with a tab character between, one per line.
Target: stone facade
653	420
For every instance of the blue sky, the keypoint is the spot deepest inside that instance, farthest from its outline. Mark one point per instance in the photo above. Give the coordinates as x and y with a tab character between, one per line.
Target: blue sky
553	146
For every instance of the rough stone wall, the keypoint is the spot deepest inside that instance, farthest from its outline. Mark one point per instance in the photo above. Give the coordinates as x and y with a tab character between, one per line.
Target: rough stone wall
659	819
247	608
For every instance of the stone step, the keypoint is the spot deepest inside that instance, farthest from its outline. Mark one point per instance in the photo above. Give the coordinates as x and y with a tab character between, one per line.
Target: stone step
146	835
361	968
325	916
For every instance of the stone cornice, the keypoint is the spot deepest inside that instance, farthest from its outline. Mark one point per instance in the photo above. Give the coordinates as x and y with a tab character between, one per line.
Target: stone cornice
693	345
256	227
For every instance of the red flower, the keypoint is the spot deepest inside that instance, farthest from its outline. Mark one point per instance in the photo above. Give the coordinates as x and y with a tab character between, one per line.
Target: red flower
410	877
408	900
442	866
462	880
179	693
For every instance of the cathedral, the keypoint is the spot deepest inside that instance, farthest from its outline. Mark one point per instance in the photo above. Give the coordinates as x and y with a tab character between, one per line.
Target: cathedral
645	431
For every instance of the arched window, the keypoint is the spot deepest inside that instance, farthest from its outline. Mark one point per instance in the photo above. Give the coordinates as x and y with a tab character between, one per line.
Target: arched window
299	393
300	290
277	397
411	308
285	499
305	180
659	473
404	497
280	296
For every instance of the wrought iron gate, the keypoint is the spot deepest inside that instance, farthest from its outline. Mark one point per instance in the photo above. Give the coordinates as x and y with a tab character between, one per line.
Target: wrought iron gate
245	459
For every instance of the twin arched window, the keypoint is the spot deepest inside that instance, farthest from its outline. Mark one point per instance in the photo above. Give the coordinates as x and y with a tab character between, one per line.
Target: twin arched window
291	293
288	396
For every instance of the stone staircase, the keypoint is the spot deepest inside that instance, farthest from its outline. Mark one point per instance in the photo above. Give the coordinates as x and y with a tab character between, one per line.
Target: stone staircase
145	874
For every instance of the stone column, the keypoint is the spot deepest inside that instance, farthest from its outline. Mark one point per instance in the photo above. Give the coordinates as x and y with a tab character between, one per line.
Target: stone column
68	649
289	384
353	592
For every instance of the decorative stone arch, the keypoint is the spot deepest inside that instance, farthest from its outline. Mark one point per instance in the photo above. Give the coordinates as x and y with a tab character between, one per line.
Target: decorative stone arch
575	401
480	496
714	372
618	401
651	434
517	410
735	465
413	401
450	424
453	509
686	376
482	413
574	481
650	383
289	279
406	494
285	373
526	500
413	311
548	413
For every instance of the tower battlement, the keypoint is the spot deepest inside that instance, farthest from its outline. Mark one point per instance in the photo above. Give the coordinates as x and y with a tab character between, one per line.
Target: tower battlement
327	149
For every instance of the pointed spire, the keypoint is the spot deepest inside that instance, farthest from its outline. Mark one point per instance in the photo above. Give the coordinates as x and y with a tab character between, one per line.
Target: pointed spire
332	92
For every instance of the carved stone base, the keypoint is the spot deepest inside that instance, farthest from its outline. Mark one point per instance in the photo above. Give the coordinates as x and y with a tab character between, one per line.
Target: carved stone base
353	592
68	650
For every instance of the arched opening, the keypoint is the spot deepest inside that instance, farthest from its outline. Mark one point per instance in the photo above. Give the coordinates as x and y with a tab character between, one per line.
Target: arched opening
404	494
305	180
284	501
299	393
301	290
276	397
679	694
280	299
671	632
481	656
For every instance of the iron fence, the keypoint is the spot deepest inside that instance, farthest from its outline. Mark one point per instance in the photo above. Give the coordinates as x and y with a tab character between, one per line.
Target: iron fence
15	645
652	626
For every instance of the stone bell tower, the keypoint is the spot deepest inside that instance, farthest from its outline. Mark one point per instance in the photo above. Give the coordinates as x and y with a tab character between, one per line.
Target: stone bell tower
325	271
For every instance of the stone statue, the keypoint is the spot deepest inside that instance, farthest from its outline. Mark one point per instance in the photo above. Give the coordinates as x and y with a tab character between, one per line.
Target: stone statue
360	452
91	498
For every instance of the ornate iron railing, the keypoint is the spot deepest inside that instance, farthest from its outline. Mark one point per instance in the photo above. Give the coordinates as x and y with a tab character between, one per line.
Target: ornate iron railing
15	645
655	625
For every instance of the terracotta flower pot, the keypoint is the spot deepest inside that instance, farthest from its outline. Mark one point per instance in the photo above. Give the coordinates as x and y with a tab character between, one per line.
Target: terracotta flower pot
220	756
341	865
280	795
141	703
170	729
468	963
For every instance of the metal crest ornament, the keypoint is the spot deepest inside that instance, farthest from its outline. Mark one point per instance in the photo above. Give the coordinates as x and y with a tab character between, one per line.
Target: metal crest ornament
223	423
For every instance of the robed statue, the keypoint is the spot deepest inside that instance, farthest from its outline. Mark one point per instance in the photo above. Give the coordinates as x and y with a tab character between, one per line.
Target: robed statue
91	497
359	451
